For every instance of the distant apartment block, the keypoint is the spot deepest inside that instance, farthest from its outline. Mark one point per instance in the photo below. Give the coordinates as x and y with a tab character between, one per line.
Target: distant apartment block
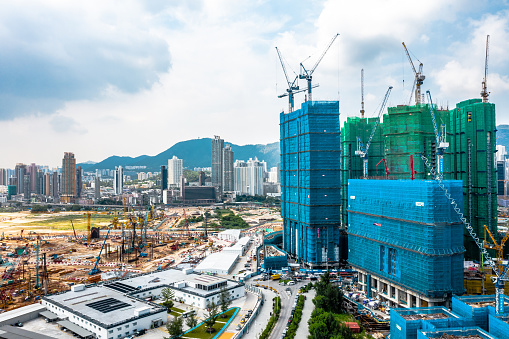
249	176
118	180
68	184
175	171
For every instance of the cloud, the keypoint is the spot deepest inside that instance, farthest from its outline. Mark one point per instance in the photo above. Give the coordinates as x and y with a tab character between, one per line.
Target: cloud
56	51
464	71
63	124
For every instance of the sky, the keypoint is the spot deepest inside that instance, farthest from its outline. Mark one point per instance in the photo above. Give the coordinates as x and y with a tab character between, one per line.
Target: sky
127	77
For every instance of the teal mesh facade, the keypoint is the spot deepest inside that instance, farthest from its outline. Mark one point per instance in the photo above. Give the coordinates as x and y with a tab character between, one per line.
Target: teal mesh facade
477	307
499	326
462	332
407	232
406	322
310	182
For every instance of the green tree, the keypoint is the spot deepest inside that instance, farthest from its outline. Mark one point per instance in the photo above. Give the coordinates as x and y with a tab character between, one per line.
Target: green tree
191	320
168	296
224	299
210	321
323	326
175	327
75	208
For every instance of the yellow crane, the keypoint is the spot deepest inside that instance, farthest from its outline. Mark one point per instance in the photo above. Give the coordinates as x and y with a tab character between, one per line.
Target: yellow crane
496	246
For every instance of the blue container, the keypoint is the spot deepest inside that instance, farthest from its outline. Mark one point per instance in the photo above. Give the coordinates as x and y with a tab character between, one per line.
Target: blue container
465	331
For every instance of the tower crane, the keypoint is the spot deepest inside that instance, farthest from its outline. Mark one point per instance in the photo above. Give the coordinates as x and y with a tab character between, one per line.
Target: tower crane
419	77
362	93
362	150
484	92
308	74
441	144
293	86
501	274
95	270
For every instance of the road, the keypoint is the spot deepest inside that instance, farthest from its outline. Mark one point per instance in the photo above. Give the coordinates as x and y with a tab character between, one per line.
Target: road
286	304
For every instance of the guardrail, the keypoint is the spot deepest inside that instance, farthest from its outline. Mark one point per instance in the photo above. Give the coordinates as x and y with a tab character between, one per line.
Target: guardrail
255	290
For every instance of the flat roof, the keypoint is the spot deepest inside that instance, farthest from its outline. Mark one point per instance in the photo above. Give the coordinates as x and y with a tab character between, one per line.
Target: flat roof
92	302
218	261
11	332
206	279
75	328
7	316
49	315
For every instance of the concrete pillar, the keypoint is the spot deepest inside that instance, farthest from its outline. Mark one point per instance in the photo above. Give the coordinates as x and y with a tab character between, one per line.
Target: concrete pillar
408	299
418	302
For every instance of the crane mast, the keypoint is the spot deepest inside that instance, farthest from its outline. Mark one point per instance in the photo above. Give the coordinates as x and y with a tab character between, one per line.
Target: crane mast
293	87
308	74
419	77
484	92
441	144
362	150
362	93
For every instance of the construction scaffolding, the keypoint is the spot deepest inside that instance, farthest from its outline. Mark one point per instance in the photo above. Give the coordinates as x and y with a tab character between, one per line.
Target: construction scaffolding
405	231
310	181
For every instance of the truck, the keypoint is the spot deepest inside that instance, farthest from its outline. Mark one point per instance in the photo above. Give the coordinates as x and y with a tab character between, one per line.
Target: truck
276	276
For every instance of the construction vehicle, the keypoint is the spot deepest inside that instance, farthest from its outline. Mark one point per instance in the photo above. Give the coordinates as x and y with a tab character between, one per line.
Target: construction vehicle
500	272
308	74
363	151
441	145
419	78
276	276
96	270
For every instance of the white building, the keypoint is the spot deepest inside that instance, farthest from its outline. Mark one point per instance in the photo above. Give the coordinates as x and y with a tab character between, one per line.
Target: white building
118	309
218	263
118	180
175	171
501	153
248	176
274	175
232	235
240	247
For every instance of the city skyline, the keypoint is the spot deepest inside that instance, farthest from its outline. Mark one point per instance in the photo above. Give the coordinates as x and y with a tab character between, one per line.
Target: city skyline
76	87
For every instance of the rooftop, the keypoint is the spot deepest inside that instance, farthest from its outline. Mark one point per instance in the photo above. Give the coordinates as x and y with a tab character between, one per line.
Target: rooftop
218	261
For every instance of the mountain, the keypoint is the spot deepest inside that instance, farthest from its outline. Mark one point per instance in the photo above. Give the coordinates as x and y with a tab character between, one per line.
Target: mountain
195	152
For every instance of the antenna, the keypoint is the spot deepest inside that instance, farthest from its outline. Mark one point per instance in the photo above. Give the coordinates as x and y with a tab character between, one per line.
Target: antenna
362	93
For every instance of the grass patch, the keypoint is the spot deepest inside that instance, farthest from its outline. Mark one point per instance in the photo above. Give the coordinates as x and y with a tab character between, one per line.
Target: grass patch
178	310
345	317
201	333
63	222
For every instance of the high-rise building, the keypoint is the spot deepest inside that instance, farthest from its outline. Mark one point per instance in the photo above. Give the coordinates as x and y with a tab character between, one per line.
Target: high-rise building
97	188
118	180
79	181
249	177
47	184
217	163
68	184
3	176
26	187
274	175
164	179
175	171
228	177
310	183
32	170
55	185
201	178
20	171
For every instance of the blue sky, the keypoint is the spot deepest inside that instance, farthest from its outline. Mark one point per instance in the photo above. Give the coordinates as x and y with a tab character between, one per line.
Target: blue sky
102	78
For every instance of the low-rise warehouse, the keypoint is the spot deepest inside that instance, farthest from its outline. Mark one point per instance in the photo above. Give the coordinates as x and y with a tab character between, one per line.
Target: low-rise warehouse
218	263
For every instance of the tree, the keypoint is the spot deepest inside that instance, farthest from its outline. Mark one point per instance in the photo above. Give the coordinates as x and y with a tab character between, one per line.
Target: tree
224	299
191	320
323	326
168	296
210	321
175	327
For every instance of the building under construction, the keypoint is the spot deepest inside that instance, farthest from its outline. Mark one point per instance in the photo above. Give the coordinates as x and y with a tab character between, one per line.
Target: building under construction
310	181
407	132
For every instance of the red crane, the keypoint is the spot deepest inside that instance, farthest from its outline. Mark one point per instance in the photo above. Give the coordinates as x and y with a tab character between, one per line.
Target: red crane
386	170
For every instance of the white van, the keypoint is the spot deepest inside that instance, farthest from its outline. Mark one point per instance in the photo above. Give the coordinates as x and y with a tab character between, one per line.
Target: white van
291	282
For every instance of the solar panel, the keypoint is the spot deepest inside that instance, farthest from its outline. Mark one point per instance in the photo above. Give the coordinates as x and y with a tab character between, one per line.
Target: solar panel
121	287
107	305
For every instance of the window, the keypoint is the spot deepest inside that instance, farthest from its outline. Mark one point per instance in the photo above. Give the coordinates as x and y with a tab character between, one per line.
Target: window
119	328
469	116
127	326
136	323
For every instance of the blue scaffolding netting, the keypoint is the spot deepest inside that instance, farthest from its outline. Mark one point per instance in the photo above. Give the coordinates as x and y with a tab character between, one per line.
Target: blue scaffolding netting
310	182
407	232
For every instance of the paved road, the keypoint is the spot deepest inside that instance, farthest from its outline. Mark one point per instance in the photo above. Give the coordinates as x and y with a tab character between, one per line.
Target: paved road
286	305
